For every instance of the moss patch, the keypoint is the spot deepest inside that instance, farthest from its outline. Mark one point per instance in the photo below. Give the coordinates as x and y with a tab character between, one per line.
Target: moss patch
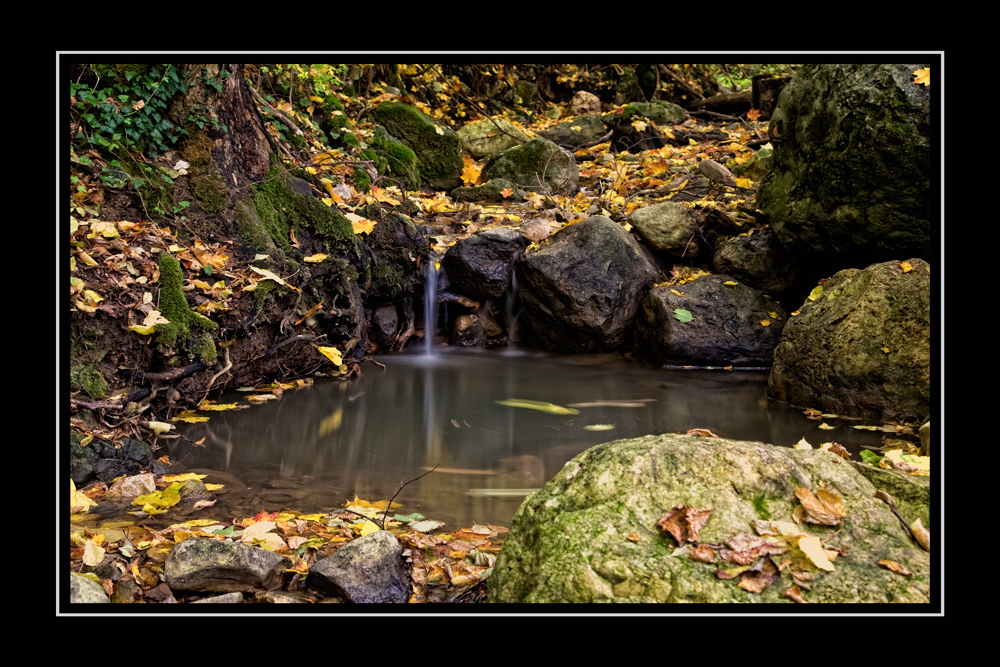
86	378
174	306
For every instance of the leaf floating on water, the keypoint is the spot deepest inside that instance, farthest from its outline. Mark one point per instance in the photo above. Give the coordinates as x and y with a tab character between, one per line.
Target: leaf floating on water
542	406
599	427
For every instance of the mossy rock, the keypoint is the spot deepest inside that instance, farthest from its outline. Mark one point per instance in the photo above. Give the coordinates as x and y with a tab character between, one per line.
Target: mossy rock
86	378
174	306
488	192
537	165
437	147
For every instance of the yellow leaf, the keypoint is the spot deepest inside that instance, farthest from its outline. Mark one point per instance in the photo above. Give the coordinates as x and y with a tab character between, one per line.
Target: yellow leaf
743	183
765	323
217	407
315	259
814	294
470	173
332	353
369	527
730	282
190	416
92	554
152	319
923	75
906	266
160	427
77	500
802	444
813	549
359	224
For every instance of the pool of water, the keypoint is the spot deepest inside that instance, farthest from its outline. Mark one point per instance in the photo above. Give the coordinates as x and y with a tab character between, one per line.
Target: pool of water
320	446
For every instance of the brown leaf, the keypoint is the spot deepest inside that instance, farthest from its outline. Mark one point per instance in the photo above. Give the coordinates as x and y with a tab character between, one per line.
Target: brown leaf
794	593
684	523
703	432
703	554
756	582
895	567
922	535
825	508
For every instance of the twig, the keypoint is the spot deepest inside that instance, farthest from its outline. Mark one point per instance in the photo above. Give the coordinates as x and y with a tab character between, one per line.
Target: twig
401	485
225	369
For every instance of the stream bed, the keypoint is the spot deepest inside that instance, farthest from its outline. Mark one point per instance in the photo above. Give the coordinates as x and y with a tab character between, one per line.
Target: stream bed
317	447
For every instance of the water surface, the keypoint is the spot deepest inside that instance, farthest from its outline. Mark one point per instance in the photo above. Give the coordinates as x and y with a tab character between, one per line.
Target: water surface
317	447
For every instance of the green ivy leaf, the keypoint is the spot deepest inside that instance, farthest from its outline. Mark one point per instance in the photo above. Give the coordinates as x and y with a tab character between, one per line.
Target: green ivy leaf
682	315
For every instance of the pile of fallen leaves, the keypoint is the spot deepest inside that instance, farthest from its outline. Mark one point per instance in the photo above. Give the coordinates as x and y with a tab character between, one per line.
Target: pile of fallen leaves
444	566
751	558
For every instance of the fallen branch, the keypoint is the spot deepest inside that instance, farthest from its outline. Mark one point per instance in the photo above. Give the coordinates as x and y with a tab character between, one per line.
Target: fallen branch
225	369
401	485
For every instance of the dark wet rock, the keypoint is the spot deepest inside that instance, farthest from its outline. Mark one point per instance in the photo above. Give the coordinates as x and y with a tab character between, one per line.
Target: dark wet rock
591	534
581	290
758	260
481	265
850	181
384	325
538	165
862	347
367	569
726	326
218	566
102	460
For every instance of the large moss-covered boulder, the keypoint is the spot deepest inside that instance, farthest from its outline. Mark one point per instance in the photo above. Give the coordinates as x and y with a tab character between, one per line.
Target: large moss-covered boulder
861	347
575	132
535	166
581	290
593	532
436	146
850	181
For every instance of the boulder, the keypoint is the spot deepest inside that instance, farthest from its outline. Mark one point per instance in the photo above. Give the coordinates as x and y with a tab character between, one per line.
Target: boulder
221	566
483	138
850	181
493	191
436	146
628	521
535	166
669	227
584	103
730	324
860	346
575	132
83	590
481	265
368	569
758	260
581	290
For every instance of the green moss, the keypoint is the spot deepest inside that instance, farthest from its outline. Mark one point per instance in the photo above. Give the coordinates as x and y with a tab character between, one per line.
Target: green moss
207	185
279	209
86	378
173	305
760	506
206	352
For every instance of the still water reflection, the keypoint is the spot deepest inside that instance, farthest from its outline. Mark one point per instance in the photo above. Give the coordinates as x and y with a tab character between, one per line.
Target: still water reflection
317	447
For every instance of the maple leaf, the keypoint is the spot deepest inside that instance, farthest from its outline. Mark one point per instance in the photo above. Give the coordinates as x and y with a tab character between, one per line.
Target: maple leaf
753	114
923	75
470	173
506	192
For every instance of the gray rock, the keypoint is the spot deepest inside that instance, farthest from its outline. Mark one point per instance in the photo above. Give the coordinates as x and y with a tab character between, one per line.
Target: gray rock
591	533
925	439
717	173
483	138
85	591
367	569
218	566
581	290
862	347
575	132
726	328
584	103
535	166
851	177
668	227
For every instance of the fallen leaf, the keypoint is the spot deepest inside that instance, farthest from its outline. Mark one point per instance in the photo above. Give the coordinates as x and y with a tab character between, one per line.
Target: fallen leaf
758	581
813	549
921	534
684	523
794	593
703	432
922	76
895	567
825	508
542	406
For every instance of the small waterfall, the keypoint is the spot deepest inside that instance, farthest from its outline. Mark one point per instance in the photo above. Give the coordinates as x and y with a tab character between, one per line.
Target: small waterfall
430	305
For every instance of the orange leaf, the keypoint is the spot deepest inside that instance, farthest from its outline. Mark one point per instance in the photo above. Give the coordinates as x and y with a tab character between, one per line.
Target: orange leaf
753	114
